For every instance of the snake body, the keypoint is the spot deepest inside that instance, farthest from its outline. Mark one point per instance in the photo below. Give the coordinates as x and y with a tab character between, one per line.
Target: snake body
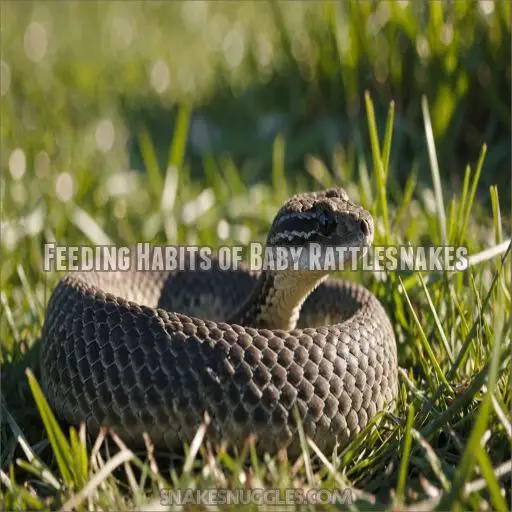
153	351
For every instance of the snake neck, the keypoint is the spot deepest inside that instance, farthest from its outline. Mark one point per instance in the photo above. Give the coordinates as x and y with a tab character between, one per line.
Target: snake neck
277	298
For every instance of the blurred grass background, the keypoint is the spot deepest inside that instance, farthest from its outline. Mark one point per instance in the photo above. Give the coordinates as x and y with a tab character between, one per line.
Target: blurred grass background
81	80
191	122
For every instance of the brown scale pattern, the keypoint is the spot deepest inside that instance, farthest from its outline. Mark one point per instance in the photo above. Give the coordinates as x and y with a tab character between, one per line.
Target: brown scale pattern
130	364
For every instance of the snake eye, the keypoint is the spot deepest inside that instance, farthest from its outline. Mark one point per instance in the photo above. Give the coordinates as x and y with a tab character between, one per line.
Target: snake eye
365	228
326	223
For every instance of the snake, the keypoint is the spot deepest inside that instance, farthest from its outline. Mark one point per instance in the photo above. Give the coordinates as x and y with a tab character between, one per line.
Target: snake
254	355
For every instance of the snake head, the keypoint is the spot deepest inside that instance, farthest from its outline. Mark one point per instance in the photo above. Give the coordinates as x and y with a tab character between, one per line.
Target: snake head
328	218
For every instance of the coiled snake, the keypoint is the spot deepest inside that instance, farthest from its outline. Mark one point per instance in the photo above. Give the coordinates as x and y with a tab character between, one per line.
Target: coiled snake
149	352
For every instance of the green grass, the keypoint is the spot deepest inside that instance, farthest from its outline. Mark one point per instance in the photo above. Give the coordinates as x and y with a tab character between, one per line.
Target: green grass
432	167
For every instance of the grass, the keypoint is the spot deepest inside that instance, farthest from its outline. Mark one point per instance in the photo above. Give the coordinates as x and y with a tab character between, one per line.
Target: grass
429	166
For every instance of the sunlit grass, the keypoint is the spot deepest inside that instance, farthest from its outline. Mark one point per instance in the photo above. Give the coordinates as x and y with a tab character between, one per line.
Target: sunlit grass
467	321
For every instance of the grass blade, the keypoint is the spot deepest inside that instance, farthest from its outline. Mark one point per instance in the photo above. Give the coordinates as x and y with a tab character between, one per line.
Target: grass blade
437	321
425	342
380	171
388	134
279	184
148	152
106	470
492	482
60	445
404	463
463	202
179	140
472	194
434	168
496	214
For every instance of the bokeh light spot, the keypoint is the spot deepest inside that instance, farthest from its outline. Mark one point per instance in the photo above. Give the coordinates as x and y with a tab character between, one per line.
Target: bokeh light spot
64	186
486	6
105	135
122	33
447	34
35	41
223	229
160	76
264	52
422	47
233	47
17	164
194	14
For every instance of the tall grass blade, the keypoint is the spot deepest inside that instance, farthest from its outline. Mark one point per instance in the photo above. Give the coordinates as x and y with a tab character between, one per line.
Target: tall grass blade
388	134
404	463
179	139
496	214
436	318
425	343
150	160
469	205
434	168
279	184
61	447
380	171
463	202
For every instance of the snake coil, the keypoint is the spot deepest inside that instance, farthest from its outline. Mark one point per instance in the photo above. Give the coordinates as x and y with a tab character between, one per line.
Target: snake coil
149	352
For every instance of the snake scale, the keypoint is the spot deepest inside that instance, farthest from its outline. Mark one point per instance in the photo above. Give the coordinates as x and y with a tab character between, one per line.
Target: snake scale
153	351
